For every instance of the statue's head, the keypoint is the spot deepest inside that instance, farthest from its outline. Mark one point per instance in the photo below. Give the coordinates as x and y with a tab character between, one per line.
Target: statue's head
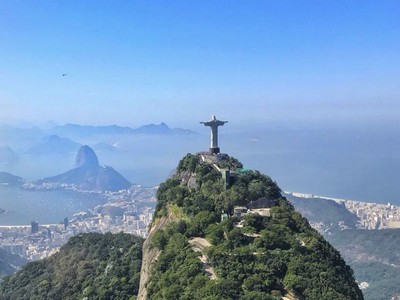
213	117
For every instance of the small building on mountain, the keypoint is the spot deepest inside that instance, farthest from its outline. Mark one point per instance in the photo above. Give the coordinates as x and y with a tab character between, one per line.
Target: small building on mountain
261	206
261	203
238	211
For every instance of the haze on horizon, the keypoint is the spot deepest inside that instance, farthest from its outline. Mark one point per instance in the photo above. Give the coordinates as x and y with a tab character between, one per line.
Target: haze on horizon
138	62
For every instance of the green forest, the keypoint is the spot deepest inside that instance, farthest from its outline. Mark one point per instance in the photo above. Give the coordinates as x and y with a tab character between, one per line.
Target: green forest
372	263
265	258
9	262
89	266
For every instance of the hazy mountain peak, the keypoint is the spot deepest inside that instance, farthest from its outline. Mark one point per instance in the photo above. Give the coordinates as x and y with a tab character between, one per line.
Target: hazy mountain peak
86	157
53	138
54	144
89	175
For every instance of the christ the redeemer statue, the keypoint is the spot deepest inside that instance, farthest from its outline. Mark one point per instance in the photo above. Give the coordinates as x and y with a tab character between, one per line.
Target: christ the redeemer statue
214	123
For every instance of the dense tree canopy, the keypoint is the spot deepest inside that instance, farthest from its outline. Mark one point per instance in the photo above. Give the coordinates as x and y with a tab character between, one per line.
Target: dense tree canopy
9	262
372	262
90	265
254	257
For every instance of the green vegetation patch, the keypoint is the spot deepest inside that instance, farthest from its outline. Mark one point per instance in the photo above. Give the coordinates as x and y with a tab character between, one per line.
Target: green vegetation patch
90	265
254	257
372	263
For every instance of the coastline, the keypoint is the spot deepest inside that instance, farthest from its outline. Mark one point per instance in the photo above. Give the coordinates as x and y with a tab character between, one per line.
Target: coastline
314	196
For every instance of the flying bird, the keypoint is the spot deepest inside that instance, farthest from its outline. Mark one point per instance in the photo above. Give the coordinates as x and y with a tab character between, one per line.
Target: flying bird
64	74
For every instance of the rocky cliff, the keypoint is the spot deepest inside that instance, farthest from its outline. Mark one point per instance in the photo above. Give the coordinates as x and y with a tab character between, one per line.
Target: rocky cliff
86	158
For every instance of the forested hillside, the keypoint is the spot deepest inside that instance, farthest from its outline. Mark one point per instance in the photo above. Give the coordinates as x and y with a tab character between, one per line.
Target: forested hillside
246	257
373	263
9	262
89	266
334	217
374	255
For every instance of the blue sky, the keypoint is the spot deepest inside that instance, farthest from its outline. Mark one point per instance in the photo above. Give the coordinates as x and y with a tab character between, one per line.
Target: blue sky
137	62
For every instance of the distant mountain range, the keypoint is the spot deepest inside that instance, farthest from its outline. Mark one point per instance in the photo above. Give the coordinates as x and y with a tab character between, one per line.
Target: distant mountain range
100	147
84	130
161	128
54	144
60	139
19	143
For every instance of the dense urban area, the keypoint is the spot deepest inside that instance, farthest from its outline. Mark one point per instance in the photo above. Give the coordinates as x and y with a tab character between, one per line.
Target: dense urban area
370	215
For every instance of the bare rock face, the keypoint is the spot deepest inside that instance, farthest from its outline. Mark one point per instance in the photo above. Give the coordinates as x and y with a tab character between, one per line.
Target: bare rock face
189	179
150	254
86	157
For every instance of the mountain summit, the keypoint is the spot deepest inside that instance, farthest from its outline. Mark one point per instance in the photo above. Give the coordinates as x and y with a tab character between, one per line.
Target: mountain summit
86	157
224	232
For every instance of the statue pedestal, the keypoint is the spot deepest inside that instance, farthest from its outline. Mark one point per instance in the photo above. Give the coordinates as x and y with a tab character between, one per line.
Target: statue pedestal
214	150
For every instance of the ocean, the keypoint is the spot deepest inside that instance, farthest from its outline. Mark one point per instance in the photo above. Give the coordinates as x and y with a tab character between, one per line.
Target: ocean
352	163
46	207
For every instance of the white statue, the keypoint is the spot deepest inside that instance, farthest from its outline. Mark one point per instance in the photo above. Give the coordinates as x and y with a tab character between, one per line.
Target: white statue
214	123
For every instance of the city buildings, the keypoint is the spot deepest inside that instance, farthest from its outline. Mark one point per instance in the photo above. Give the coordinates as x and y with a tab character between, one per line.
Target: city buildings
130	211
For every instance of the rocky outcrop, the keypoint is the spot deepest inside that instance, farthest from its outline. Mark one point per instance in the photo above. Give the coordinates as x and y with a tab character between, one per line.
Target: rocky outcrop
88	175
86	157
150	254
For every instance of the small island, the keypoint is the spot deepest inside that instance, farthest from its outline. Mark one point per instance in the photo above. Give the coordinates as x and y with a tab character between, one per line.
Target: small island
2	211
